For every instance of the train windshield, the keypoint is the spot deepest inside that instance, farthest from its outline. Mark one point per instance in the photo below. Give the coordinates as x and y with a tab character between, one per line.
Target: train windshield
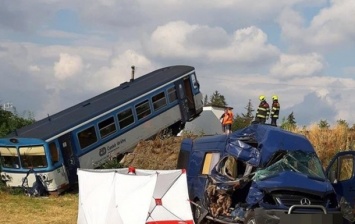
9	157
26	157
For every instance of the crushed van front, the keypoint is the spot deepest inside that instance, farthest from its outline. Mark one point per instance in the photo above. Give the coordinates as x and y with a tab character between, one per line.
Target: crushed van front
281	177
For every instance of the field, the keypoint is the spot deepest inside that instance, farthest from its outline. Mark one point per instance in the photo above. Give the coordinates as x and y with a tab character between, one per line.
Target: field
21	209
153	154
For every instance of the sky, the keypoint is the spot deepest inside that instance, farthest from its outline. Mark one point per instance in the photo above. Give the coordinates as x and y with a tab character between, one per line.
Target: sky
57	53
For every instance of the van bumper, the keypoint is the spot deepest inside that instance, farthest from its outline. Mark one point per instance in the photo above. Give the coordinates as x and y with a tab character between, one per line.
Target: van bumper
275	216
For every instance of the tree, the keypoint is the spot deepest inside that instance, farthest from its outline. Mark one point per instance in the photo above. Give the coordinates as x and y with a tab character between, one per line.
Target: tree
10	121
343	123
205	101
250	110
245	119
323	124
240	122
289	123
352	127
217	100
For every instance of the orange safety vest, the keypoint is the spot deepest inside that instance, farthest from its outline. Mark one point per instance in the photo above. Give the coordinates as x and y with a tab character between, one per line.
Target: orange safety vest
228	117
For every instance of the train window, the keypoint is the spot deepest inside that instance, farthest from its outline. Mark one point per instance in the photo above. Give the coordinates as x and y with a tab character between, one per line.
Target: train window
125	118
159	101
33	156
107	127
87	137
54	153
9	157
172	94
143	109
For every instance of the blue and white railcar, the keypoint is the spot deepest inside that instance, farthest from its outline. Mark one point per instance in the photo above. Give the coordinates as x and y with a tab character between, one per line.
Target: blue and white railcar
106	126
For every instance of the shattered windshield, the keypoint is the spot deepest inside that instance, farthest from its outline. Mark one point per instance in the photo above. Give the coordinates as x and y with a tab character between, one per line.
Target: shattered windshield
297	161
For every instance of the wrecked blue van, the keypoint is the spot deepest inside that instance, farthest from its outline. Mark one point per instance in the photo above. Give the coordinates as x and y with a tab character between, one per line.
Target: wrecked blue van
256	175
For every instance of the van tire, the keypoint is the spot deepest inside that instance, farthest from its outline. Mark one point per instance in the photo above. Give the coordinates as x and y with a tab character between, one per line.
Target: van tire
197	212
250	217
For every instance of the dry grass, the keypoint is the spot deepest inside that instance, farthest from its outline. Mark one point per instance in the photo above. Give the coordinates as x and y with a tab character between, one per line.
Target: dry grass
328	142
152	154
155	154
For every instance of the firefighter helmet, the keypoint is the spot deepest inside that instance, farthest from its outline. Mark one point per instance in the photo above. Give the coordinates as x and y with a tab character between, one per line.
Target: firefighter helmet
261	97
274	97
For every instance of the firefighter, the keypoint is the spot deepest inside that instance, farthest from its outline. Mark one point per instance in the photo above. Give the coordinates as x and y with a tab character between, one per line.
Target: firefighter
227	120
263	111
275	110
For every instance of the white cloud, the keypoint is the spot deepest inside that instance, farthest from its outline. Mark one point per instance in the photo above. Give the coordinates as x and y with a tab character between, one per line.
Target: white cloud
170	40
291	24
291	66
180	39
67	66
60	34
331	28
333	25
248	45
34	68
323	93
349	71
119	70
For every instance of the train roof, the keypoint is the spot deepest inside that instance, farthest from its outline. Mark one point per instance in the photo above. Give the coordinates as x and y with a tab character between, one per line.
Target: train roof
79	113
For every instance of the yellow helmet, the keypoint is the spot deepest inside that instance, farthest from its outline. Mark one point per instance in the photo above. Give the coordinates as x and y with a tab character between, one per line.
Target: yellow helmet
261	97
274	97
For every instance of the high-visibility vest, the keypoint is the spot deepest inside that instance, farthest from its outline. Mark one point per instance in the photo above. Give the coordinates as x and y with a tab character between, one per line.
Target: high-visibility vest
228	117
263	110
275	110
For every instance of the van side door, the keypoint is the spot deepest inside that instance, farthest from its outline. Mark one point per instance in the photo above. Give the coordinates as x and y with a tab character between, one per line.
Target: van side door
340	172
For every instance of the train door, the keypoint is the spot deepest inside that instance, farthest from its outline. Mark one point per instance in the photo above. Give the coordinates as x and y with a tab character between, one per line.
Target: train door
180	89
341	174
186	98
189	97
70	161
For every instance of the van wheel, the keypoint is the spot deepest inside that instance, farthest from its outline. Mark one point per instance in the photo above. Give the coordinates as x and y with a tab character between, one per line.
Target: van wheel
250	217
197	213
